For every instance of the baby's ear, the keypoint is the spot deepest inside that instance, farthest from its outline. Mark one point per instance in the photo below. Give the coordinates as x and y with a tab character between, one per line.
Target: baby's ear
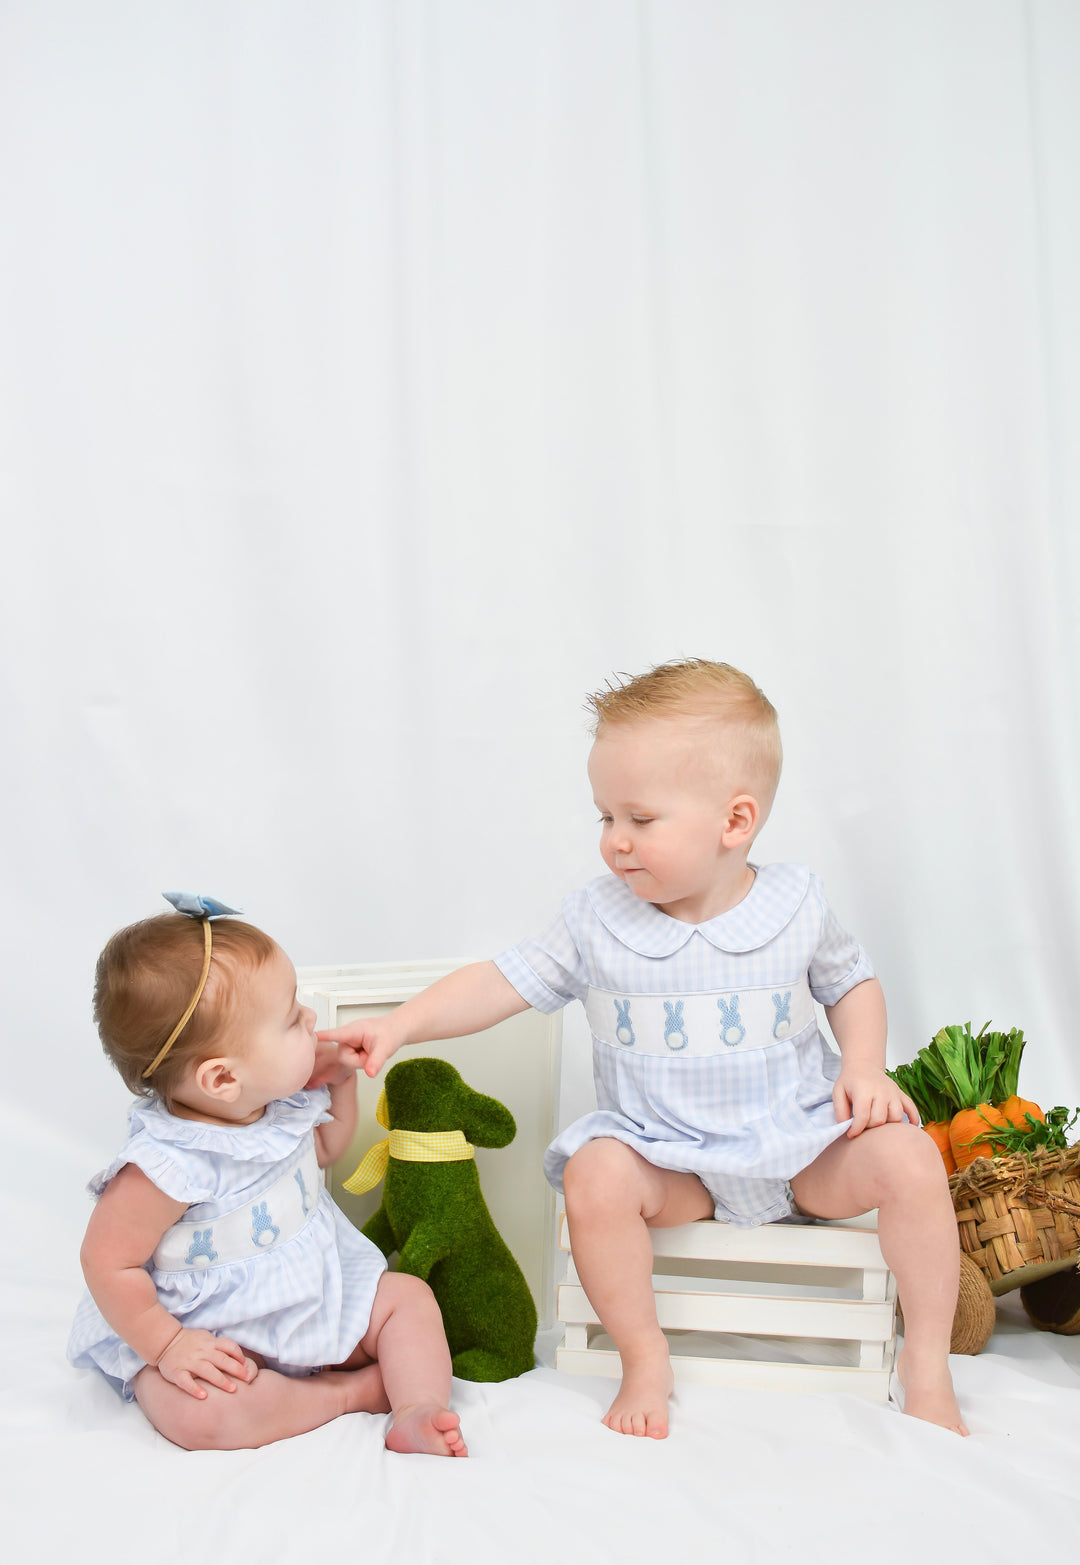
743	819
217	1078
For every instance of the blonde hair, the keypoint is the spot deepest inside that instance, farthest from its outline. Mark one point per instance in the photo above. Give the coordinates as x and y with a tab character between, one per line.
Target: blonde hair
698	688
144	980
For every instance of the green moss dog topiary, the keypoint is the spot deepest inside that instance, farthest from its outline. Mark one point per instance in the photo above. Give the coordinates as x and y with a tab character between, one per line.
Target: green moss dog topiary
434	1215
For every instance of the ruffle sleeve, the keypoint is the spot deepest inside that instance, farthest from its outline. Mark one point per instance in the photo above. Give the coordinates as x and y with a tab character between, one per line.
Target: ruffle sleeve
184	1157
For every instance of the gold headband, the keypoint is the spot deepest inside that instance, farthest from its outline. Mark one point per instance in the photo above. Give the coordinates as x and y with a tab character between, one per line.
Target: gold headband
196	997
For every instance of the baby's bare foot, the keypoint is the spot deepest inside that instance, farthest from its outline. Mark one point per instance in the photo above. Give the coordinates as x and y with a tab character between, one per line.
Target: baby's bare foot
641	1407
429	1429
929	1394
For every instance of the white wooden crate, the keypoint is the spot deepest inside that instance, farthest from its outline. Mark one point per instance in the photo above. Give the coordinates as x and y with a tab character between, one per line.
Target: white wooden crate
516	1062
816	1303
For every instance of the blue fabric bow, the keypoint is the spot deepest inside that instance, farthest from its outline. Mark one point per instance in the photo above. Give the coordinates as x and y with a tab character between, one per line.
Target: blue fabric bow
194	906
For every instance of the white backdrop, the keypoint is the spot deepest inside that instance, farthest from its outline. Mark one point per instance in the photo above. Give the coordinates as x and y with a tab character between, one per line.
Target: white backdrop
376	378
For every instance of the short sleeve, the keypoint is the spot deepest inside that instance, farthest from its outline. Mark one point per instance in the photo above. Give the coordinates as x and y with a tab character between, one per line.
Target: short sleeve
839	961
548	972
184	1180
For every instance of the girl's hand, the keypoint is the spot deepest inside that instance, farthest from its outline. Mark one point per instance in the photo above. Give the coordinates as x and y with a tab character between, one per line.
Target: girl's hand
195	1355
370	1043
867	1096
334	1064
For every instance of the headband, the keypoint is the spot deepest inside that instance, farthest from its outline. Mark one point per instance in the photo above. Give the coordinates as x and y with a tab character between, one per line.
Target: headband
204	909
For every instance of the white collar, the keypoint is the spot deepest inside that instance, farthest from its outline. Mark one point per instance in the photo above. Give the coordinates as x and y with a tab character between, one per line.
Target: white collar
771	902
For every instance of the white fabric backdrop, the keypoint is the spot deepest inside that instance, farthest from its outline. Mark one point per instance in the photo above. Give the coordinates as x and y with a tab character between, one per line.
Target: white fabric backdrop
376	378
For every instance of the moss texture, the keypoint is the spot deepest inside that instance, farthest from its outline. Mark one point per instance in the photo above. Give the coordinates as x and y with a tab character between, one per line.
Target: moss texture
435	1216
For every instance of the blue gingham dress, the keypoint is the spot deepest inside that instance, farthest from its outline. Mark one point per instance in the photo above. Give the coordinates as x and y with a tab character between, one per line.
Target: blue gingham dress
707	1056
301	1304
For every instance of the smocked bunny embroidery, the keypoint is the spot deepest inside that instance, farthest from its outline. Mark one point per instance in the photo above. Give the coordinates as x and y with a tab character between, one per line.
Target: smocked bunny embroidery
782	1022
624	1030
201	1252
732	1031
305	1199
263	1229
674	1032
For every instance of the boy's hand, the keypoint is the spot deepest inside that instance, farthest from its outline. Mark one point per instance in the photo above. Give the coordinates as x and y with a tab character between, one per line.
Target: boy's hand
334	1064
370	1042
194	1356
867	1096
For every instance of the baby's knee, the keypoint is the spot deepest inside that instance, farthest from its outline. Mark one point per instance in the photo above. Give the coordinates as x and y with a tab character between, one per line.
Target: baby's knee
601	1174
399	1290
910	1162
195	1424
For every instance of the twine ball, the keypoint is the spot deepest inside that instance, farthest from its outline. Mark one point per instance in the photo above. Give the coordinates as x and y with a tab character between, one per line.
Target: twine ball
973	1322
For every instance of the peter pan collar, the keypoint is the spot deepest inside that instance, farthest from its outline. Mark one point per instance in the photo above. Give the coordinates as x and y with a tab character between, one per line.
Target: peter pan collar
768	906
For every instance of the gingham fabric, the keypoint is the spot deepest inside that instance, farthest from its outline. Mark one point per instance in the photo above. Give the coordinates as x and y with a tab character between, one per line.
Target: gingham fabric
302	1302
408	1146
266	1217
674	1076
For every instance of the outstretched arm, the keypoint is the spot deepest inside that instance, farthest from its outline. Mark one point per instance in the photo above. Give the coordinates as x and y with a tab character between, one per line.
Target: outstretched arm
863	1092
473	998
123	1232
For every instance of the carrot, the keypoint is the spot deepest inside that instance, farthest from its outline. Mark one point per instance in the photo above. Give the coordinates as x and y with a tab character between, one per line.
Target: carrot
957	1078
968	1133
938	1131
1014	1109
1038	1135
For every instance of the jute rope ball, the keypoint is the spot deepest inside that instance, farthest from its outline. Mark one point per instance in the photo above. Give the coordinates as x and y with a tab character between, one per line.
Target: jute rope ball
973	1322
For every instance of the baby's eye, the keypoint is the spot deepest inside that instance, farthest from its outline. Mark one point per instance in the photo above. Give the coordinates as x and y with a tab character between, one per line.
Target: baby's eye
642	820
605	820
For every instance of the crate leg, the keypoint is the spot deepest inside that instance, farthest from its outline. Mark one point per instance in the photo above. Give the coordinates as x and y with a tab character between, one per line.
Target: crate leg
875	1285
871	1355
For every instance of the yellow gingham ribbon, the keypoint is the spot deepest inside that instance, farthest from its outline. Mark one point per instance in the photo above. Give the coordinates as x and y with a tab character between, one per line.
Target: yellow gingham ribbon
409	1146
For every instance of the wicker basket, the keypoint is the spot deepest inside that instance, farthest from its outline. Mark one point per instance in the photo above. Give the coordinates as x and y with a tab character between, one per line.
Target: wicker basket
1019	1217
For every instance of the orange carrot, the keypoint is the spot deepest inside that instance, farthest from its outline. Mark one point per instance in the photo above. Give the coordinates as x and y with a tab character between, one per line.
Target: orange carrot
971	1133
938	1131
1013	1110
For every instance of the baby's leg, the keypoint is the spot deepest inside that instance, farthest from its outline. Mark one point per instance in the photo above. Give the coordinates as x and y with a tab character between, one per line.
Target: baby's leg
270	1407
898	1169
406	1336
613	1198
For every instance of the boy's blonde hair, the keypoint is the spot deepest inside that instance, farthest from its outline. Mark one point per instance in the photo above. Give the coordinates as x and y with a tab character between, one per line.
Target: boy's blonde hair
696	687
144	981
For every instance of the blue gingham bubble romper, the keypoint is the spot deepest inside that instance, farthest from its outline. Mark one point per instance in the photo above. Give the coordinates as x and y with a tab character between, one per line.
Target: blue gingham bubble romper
301	1299
707	1056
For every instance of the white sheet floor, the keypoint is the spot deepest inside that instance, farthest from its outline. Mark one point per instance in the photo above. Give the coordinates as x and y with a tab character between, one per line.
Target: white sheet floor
746	1477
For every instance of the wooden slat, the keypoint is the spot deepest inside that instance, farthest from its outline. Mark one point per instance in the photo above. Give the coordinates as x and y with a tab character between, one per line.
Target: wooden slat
750	1314
742	1374
773	1243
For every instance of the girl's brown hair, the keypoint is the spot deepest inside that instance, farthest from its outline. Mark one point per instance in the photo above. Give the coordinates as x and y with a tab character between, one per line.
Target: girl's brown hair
144	981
